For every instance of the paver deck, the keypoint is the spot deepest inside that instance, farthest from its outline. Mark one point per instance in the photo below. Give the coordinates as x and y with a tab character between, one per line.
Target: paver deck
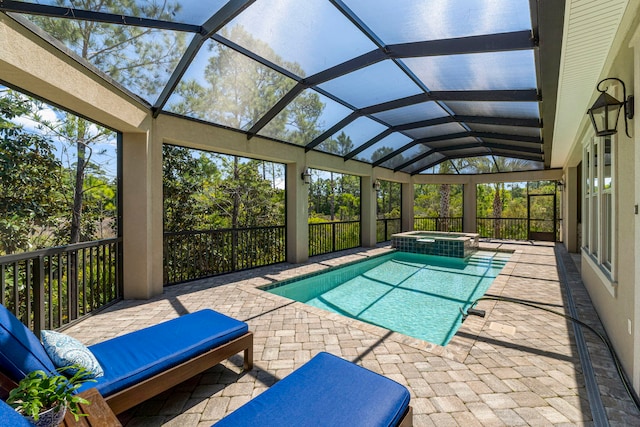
517	366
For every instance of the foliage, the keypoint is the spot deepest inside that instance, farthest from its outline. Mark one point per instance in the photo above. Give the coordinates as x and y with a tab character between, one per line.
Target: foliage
205	191
236	91
134	56
38	392
75	133
334	196
40	205
428	200
29	178
389	199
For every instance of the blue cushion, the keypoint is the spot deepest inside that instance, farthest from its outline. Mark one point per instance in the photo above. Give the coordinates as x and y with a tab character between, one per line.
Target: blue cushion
20	350
9	417
65	351
326	391
134	357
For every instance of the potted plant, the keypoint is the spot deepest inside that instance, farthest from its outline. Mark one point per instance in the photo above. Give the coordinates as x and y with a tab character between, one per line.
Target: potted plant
44	399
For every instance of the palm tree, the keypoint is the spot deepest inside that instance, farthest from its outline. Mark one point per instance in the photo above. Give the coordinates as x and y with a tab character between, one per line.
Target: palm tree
445	197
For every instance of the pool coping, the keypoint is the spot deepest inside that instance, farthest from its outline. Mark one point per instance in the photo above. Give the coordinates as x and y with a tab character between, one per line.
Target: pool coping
458	347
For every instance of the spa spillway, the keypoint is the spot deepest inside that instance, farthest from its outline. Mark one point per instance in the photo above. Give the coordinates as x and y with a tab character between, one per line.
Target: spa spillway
459	245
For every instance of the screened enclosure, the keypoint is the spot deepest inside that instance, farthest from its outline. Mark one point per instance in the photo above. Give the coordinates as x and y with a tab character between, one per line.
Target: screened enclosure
405	85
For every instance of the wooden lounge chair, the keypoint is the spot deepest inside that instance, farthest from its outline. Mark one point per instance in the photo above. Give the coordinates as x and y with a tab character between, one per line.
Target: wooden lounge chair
138	365
327	391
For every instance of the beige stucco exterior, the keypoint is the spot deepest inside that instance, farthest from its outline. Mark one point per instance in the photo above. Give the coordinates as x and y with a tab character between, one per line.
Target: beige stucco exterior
616	297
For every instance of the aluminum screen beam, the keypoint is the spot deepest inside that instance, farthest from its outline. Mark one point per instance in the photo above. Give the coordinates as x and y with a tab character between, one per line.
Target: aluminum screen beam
526	95
519	40
90	15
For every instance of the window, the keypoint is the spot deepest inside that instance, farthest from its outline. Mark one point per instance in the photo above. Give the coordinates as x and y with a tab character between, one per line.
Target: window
599	202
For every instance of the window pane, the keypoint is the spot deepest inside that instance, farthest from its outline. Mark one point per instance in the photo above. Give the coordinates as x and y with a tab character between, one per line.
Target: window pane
382	148
437	130
423	164
305	118
222	86
140	59
606	167
372	85
587	171
351	136
520	110
453	142
594	225
506	130
405	156
594	169
412	113
304	37
186	11
607	229
476	71
401	21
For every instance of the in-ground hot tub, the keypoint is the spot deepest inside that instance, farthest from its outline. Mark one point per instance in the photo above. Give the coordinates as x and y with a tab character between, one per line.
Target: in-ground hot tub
459	245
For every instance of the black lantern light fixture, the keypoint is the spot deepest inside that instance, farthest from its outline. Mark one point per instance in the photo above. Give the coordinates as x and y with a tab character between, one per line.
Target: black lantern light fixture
605	111
306	176
376	185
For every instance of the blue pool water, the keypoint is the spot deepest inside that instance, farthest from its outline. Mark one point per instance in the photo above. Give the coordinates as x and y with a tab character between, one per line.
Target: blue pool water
415	295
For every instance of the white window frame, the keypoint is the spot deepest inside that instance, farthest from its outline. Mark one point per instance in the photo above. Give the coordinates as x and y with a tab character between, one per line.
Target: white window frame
594	226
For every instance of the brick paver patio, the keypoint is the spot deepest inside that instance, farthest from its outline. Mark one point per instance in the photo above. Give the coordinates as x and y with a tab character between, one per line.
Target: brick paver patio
517	366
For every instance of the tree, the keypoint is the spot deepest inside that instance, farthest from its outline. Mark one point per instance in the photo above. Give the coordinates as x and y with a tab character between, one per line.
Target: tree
445	195
183	177
29	178
236	91
83	135
131	55
381	152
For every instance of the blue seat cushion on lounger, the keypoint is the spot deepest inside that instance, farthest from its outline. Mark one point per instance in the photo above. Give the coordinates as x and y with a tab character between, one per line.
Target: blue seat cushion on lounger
20	350
134	357
326	391
9	417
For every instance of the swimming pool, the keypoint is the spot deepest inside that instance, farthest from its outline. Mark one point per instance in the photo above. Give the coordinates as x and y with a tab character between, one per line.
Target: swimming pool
415	295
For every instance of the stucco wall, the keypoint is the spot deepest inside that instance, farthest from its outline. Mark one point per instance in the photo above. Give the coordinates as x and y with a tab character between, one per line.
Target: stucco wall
615	300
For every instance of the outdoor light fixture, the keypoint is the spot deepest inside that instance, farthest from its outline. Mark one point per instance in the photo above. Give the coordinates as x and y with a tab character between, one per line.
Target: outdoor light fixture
605	111
306	176
376	185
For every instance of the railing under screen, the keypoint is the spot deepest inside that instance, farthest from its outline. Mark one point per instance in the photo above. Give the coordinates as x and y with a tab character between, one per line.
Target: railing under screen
385	227
325	237
50	288
191	255
503	228
450	224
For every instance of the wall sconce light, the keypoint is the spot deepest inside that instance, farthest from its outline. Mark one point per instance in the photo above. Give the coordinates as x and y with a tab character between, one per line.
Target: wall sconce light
306	176
376	185
560	185
605	111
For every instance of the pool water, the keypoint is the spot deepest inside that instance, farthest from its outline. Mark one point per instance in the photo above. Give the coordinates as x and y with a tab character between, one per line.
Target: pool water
416	295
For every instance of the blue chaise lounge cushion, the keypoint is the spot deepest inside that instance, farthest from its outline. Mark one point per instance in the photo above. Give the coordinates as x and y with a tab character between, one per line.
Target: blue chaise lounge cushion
131	358
20	350
326	391
10	418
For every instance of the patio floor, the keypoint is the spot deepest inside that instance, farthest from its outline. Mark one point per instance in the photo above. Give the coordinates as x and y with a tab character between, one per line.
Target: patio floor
517	366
